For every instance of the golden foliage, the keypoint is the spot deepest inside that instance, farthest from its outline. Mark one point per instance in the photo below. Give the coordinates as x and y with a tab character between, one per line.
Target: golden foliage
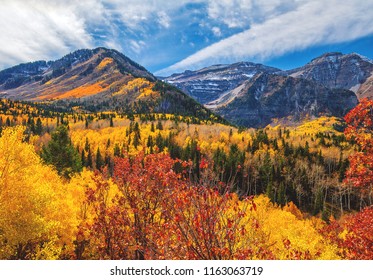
35	215
290	236
104	62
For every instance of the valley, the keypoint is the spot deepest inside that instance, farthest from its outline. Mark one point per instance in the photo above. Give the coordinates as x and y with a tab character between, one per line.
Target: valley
102	160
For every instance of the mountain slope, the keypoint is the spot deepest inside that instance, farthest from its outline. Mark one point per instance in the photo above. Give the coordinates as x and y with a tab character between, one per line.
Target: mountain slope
79	74
267	97
94	80
337	70
224	88
211	83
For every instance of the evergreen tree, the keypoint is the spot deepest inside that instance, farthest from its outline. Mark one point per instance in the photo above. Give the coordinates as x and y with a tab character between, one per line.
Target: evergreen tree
99	160
86	146
116	150
61	153
89	162
84	162
159	125
150	144
38	127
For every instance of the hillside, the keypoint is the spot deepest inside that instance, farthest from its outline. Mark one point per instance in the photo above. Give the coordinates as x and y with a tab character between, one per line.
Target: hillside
96	80
267	97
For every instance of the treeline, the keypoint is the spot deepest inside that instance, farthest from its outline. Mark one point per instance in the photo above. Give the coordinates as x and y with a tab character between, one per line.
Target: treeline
276	164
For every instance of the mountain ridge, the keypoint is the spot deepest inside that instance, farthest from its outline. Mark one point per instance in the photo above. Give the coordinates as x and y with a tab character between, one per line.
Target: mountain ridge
337	70
333	70
104	79
97	80
267	97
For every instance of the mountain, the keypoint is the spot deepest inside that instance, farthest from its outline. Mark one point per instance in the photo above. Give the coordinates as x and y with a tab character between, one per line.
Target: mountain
337	70
94	80
210	83
224	88
265	97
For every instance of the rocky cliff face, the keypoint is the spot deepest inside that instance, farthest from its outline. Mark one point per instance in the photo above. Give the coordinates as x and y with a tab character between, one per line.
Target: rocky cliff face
211	83
336	70
252	94
267	97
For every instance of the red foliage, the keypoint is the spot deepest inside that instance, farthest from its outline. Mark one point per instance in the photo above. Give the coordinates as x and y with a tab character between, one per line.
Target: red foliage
353	235
158	214
360	129
359	241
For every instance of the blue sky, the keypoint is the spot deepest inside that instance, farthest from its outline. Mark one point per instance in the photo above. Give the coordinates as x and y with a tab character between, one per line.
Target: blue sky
173	36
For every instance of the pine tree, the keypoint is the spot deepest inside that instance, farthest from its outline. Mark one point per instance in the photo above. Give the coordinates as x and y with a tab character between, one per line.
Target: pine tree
61	153
38	127
89	162
159	125
116	150
99	160
86	146
83	158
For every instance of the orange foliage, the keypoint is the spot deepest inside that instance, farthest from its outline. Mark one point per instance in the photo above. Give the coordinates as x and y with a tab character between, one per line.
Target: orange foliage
78	92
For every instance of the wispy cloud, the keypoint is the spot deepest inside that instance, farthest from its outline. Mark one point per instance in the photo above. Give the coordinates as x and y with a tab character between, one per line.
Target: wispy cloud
161	32
47	29
33	29
243	13
309	23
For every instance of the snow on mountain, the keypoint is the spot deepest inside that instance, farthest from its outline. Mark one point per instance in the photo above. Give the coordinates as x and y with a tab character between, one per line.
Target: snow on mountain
212	83
337	70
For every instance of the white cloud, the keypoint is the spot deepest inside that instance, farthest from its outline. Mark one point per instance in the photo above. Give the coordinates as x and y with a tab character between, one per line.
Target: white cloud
243	13
33	30
134	12
137	46
312	23
164	19
47	29
217	32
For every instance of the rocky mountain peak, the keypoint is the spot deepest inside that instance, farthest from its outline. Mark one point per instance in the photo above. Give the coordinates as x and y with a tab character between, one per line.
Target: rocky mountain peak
211	83
340	71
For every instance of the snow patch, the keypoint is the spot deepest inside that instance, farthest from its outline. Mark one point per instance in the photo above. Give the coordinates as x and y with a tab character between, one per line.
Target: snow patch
355	88
364	58
226	98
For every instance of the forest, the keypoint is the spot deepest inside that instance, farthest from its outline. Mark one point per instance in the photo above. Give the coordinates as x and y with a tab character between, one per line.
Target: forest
109	185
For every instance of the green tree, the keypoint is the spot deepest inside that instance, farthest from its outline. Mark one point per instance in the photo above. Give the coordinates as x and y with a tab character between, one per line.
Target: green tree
39	127
99	160
61	153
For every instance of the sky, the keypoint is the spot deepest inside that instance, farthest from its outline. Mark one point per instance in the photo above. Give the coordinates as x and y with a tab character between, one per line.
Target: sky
169	36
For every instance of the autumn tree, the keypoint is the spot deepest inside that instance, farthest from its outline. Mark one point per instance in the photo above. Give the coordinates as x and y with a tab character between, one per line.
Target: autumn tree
36	219
360	129
353	235
132	225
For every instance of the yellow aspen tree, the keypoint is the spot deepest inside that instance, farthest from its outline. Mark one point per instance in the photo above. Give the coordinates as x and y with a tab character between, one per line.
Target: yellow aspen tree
34	217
